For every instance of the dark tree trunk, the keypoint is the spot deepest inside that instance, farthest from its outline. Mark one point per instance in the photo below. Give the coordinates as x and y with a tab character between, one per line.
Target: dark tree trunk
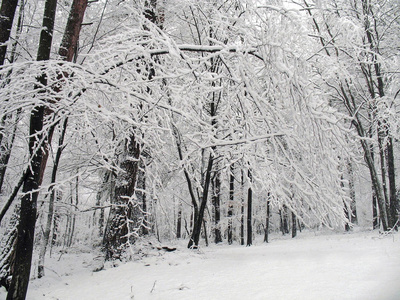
105	188
284	220
230	203
179	221
375	218
352	194
242	210
6	145
205	232
266	229
26	226
74	206
249	211
195	237
7	13
6	148
347	216
382	160
118	232
7	250
216	203
56	222
72	30
141	196
377	188
294	225
394	202
47	230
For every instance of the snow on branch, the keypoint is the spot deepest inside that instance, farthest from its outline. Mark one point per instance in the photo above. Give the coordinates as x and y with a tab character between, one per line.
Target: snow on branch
243	141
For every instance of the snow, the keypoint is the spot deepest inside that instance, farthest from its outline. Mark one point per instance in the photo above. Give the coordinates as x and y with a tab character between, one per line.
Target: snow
361	265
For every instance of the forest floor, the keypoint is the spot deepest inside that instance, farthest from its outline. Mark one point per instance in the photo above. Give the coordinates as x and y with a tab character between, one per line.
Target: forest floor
315	265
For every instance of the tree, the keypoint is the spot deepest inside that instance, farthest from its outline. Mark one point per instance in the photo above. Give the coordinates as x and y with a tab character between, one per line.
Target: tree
162	118
357	84
67	51
27	218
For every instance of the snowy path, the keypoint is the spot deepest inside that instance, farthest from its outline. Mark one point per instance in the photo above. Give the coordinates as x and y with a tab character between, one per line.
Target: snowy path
341	266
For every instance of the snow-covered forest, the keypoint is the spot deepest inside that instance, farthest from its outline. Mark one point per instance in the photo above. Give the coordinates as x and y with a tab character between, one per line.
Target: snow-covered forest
138	124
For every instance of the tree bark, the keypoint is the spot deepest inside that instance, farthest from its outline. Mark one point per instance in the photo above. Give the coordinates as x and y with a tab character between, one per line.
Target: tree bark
230	203
284	220
46	233
249	211
195	237
353	205
394	202
26	226
72	30
216	186
294	225
266	229
242	209
179	221
7	13
122	223
7	255
141	195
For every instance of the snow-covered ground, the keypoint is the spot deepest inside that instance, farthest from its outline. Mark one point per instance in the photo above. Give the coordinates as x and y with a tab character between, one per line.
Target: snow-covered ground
362	265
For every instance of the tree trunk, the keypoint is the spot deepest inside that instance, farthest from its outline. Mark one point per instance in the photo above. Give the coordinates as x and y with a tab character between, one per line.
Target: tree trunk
284	220
230	203
375	218
205	232
382	160
217	210
179	221
26	226
242	210
52	191
376	186
266	229
74	207
6	151
347	216
7	13
72	30
7	254
353	217
141	196
249	211
394	202
294	225
195	237
122	225
6	146
56	222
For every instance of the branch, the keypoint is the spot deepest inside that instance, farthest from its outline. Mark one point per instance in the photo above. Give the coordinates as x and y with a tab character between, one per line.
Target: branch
13	194
243	141
190	48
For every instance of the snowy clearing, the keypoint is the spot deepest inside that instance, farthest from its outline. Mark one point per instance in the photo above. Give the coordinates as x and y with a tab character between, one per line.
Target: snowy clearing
363	265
